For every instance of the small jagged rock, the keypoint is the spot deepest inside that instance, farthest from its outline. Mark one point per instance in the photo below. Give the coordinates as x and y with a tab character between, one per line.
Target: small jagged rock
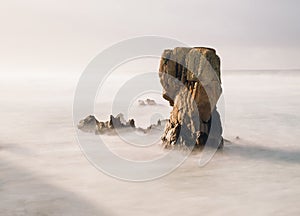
150	102
147	102
131	123
141	103
89	124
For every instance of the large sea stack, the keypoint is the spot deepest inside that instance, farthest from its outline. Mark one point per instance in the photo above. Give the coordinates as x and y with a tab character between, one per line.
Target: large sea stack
192	84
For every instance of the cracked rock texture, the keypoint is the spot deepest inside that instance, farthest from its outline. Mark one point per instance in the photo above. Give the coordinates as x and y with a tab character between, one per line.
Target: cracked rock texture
192	84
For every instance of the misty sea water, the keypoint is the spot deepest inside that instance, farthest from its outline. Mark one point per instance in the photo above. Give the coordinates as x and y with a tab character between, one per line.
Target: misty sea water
42	169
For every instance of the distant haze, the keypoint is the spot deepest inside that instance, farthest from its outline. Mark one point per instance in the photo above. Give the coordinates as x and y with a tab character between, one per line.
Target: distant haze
65	35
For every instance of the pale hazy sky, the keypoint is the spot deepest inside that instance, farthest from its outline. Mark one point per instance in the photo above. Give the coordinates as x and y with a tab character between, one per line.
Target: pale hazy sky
65	35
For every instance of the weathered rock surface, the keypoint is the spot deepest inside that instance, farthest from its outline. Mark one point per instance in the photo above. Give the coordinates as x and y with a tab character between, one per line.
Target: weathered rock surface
192	84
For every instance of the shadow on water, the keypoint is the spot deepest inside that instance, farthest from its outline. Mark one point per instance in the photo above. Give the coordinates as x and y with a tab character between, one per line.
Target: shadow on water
23	193
252	151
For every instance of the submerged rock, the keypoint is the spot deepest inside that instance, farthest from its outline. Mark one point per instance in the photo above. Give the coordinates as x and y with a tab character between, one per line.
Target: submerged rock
192	84
147	102
150	102
141	103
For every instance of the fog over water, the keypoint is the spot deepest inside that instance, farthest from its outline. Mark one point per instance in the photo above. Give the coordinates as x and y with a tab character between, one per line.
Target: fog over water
45	45
43	171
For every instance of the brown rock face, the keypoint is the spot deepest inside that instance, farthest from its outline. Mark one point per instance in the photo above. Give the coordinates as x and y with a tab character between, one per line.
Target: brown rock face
191	81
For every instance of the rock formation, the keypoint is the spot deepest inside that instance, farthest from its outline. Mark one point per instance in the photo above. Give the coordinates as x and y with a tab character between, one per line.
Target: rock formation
191	81
150	102
91	125
147	102
141	103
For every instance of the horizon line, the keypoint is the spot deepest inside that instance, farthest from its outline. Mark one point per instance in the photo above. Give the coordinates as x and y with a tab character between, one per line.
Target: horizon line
281	69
